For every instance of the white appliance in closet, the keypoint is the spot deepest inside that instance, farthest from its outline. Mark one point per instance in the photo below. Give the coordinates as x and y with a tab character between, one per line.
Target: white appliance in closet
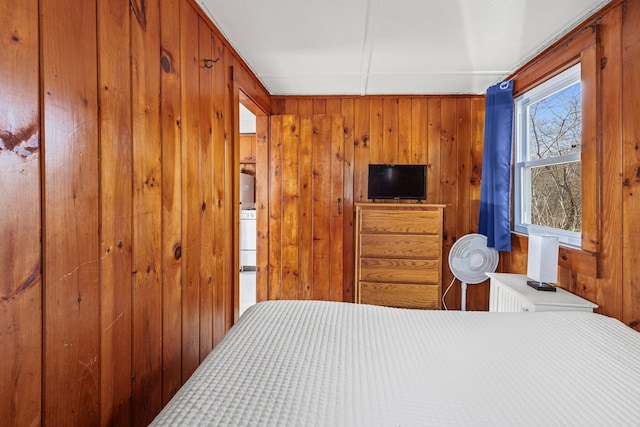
247	238
247	222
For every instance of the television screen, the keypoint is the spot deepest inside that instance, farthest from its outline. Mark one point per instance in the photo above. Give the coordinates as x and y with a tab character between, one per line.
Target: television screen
397	182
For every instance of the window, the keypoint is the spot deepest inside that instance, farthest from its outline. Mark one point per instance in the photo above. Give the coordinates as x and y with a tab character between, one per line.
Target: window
548	143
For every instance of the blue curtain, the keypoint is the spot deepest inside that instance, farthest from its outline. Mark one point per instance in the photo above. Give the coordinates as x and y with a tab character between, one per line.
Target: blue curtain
495	190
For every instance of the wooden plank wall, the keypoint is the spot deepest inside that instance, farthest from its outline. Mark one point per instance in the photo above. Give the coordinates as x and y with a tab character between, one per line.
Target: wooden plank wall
116	167
20	251
626	71
305	223
615	284
445	132
114	86
70	212
109	126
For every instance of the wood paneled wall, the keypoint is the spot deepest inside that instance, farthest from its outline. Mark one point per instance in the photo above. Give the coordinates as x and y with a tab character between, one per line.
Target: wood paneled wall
302	255
615	284
444	132
20	228
117	166
117	174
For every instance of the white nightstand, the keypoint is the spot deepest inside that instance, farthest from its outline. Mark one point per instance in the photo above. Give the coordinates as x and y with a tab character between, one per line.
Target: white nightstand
510	293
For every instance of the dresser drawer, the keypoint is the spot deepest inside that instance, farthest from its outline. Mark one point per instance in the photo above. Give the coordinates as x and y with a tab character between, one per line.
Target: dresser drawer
399	221
400	295
387	270
400	245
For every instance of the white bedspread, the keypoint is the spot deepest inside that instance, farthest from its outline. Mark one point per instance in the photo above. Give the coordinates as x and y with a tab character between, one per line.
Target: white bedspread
311	363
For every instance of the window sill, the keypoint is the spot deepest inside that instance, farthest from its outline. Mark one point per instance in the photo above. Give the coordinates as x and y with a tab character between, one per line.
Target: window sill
573	259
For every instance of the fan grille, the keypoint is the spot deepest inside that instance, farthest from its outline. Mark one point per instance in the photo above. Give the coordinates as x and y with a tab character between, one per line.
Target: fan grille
470	258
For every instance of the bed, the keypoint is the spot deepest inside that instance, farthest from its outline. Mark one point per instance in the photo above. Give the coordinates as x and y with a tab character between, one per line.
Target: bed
313	363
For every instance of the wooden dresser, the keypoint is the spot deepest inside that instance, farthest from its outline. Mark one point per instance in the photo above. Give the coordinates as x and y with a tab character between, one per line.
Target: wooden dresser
399	255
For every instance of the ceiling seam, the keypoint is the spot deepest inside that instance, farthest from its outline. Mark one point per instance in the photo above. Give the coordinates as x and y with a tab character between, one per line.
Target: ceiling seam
367	48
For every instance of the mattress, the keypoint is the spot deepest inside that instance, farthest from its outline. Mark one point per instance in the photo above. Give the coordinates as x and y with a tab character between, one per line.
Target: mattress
312	363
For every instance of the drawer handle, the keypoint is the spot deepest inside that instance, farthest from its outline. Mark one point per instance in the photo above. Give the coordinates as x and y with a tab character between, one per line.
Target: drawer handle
339	206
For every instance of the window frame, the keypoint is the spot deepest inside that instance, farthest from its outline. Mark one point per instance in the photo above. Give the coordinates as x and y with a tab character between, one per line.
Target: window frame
582	46
522	165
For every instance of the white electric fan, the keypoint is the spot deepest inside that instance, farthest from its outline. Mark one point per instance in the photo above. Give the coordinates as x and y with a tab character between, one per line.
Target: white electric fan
469	260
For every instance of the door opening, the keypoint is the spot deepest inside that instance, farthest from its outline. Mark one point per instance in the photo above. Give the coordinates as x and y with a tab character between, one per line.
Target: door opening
248	213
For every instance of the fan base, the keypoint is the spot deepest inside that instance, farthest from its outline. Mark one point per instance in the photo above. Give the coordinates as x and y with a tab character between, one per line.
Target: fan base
541	286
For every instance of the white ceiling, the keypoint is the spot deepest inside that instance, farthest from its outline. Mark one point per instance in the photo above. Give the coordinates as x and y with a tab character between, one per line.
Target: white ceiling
247	120
376	47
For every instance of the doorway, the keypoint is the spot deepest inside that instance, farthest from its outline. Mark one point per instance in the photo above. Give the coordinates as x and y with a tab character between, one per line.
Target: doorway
248	213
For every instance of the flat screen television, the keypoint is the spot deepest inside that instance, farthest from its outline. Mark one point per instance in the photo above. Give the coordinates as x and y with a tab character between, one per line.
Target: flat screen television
397	182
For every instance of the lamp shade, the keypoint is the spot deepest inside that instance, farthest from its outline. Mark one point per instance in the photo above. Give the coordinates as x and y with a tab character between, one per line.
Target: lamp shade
542	262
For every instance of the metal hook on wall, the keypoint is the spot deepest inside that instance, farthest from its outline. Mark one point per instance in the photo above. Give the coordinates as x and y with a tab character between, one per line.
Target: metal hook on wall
208	63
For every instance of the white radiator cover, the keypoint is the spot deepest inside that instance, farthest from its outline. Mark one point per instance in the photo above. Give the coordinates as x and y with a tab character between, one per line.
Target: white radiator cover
510	293
504	300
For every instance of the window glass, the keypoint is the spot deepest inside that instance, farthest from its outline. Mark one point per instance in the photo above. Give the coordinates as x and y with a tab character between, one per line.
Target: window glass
554	124
547	177
555	196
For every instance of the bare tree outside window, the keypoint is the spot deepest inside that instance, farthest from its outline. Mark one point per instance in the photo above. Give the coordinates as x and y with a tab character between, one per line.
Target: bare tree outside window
547	151
554	130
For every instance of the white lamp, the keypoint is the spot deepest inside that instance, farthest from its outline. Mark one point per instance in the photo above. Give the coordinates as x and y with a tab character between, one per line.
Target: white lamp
542	262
